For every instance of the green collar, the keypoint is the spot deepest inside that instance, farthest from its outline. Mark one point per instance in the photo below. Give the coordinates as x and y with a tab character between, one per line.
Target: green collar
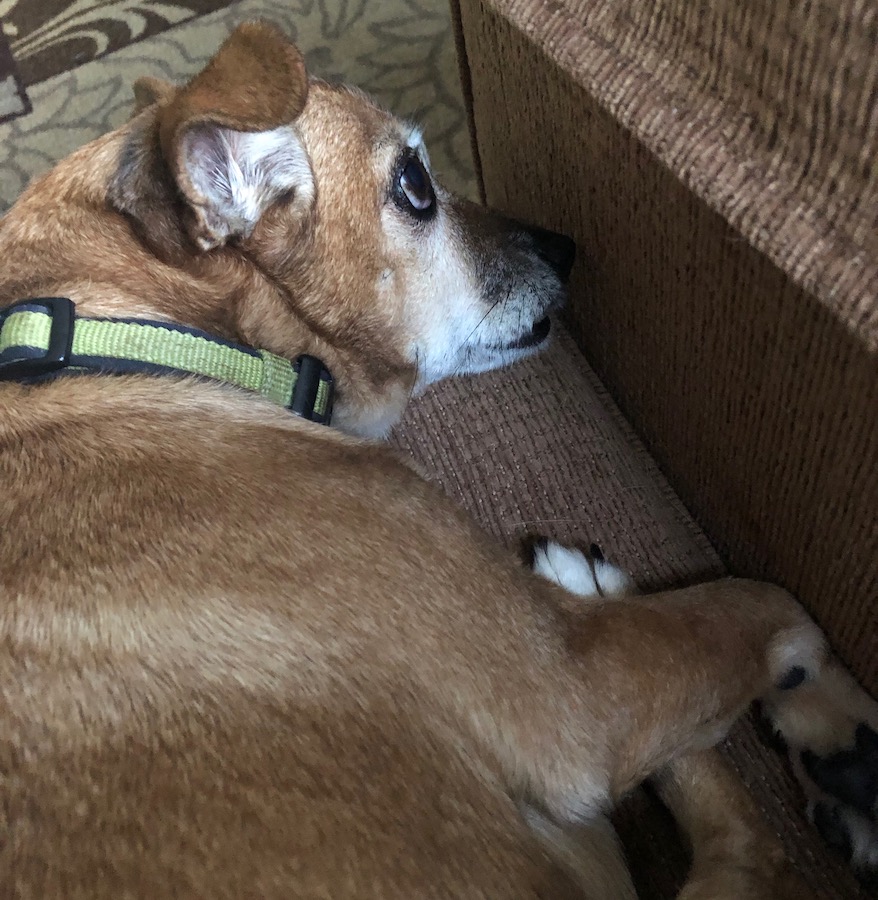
43	337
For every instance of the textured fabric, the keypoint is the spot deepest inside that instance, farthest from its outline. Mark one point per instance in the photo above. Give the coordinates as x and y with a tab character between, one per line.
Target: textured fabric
757	397
540	448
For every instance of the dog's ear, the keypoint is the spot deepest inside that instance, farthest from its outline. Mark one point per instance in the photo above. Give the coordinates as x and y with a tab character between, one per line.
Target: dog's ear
227	137
215	154
255	82
149	90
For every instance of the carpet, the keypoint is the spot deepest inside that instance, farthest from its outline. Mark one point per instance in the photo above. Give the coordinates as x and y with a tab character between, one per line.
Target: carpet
66	69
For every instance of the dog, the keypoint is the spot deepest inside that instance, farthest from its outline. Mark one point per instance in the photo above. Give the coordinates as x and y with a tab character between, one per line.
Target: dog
249	651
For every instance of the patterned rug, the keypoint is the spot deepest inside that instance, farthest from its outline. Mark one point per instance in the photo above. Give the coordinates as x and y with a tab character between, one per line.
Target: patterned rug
66	68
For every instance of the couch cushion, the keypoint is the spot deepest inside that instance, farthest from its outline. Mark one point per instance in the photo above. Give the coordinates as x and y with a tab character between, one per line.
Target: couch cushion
541	448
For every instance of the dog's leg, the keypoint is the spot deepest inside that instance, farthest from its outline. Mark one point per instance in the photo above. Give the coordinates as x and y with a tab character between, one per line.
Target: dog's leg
681	665
734	853
830	728
591	852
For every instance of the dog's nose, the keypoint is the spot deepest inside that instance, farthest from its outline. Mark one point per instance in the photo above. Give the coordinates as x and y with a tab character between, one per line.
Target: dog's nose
556	249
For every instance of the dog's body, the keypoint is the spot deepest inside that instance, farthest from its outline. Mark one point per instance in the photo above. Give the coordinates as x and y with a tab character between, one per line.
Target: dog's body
247	655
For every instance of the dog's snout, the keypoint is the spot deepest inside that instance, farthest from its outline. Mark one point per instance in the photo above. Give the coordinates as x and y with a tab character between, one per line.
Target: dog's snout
556	249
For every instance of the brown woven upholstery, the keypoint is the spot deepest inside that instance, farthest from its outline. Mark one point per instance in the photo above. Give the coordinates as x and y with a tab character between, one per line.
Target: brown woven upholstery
716	163
541	448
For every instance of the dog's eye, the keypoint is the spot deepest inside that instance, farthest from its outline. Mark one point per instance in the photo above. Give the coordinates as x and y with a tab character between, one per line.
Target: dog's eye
413	187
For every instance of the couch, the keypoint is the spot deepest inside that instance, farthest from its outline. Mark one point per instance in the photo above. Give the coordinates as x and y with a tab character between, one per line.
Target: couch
710	404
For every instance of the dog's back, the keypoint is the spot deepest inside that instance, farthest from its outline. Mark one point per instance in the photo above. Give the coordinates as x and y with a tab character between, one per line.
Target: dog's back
218	680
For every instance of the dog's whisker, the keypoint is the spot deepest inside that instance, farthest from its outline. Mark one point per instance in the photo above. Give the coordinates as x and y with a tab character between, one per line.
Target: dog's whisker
482	321
417	380
500	301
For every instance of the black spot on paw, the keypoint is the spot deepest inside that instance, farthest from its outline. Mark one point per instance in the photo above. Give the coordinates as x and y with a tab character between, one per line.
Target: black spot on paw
529	547
596	552
850	776
793	678
828	822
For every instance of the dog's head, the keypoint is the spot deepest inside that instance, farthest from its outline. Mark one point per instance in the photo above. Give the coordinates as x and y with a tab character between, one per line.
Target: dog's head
304	218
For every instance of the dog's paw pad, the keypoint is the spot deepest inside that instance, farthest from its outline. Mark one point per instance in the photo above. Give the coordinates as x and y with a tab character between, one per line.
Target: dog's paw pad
849	775
843	789
829	727
583	574
853	835
828	821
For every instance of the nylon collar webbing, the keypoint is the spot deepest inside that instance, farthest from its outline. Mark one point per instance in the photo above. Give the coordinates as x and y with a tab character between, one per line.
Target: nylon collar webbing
43	336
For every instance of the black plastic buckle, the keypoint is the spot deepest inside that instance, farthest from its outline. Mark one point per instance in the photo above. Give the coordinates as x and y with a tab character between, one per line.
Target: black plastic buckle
311	372
57	356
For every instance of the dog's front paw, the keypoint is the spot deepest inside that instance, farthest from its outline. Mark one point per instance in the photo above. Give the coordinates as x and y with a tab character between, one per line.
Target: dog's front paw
583	574
843	786
830	728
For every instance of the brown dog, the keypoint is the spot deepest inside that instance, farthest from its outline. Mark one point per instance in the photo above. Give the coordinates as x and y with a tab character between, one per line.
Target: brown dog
249	655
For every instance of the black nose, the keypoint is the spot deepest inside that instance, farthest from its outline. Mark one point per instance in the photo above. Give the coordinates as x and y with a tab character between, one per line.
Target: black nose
557	250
